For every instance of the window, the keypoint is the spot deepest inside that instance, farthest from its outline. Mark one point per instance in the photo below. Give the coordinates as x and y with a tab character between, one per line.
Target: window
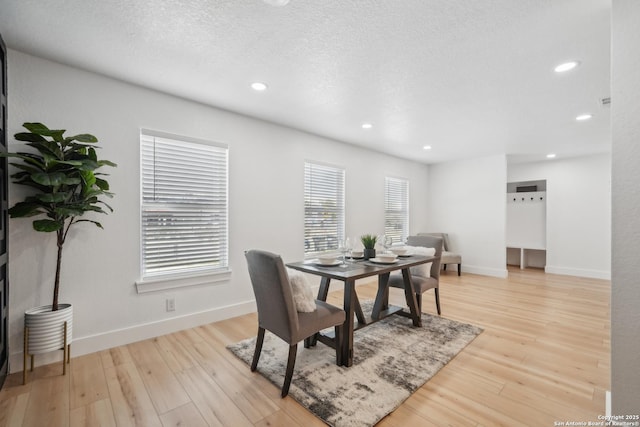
396	208
323	207
184	206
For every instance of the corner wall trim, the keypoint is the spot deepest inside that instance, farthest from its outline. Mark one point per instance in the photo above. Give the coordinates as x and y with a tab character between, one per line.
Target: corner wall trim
485	271
580	272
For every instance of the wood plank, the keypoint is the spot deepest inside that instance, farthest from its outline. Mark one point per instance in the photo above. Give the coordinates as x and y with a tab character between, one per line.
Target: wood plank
163	387
174	353
115	356
404	416
278	418
13	409
239	387
48	402
183	416
95	414
215	406
88	383
129	398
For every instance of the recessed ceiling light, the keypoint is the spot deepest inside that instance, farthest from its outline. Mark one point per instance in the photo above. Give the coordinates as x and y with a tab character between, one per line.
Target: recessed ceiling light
259	86
367	126
583	117
551	156
566	66
426	147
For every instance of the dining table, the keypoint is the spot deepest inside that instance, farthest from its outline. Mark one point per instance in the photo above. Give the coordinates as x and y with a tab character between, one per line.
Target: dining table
349	272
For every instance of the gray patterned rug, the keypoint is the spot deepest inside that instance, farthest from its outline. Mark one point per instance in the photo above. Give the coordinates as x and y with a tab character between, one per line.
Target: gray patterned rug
392	359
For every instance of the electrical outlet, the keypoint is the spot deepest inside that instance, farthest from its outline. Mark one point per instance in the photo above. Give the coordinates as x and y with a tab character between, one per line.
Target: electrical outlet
171	304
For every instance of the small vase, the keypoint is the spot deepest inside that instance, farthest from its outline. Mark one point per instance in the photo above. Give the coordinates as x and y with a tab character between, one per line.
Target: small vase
369	253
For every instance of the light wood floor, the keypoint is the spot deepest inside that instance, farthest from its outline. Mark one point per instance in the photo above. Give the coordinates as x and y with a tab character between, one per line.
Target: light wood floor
543	357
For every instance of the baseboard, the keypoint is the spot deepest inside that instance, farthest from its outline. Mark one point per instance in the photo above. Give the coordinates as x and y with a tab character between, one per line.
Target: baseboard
92	343
485	271
580	272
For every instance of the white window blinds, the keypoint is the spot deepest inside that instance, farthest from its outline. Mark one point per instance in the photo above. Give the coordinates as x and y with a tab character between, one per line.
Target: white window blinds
184	205
323	207
396	213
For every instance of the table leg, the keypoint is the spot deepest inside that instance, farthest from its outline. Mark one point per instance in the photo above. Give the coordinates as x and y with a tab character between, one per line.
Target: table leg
323	291
382	297
410	296
347	333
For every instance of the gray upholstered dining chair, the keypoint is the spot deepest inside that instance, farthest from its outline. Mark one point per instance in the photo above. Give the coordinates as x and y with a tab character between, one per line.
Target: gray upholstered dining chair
423	283
277	312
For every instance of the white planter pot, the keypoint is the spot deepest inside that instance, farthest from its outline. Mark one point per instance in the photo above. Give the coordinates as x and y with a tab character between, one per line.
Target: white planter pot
46	328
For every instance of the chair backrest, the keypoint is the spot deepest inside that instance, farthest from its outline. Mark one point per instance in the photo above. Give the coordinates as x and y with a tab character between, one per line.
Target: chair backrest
274	297
429	241
445	239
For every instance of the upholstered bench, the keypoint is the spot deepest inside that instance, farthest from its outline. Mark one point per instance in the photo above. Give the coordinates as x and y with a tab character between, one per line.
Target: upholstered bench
448	257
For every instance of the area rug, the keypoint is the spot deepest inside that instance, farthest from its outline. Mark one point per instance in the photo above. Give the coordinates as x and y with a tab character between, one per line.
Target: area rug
392	359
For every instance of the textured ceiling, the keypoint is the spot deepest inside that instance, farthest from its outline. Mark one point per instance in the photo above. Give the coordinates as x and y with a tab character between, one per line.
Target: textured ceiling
468	77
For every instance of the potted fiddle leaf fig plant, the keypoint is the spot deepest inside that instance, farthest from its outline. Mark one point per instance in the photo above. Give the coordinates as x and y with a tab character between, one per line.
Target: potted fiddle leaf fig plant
369	243
65	185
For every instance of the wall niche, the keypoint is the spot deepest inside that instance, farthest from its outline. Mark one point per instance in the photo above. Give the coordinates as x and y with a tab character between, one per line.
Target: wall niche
527	223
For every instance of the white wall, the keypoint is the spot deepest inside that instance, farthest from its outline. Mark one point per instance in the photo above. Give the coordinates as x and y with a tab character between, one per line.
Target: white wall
625	295
467	200
578	213
266	203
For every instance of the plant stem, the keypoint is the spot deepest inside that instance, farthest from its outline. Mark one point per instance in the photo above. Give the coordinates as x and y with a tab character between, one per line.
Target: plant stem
56	287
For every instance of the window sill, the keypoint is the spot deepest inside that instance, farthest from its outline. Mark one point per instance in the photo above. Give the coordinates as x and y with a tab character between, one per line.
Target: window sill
173	282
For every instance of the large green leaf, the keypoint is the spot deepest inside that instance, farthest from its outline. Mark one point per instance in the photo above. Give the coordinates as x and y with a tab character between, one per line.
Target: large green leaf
102	184
32	159
26	168
30	137
37	128
83	137
52	197
54	179
27	181
88	180
65	212
70	180
89	165
47	147
47	225
91	221
25	209
106	163
92	154
95	209
105	204
37	162
74	163
40	129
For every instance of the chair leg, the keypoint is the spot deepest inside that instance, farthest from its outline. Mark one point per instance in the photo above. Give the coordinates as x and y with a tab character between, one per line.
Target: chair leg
437	300
459	269
444	267
339	337
256	353
290	364
311	340
419	299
